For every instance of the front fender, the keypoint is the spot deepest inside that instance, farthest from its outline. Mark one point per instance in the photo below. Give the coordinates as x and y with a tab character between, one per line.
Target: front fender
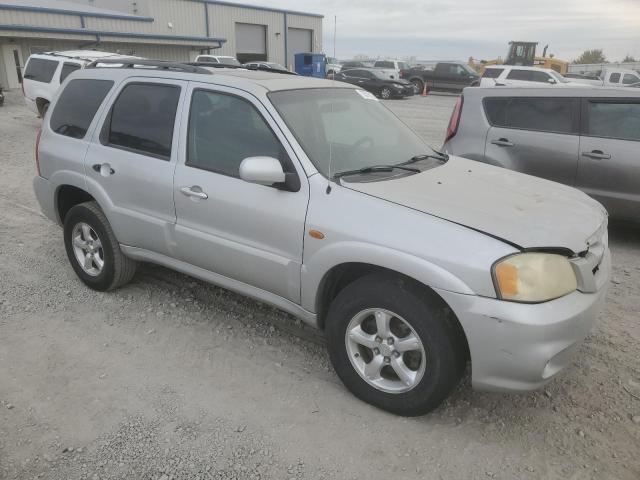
323	260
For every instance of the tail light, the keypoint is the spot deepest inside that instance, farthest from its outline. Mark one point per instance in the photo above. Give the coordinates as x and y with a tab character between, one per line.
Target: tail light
38	133
452	129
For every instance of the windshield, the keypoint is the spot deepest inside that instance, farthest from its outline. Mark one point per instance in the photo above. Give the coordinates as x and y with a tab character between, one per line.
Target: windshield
558	77
347	128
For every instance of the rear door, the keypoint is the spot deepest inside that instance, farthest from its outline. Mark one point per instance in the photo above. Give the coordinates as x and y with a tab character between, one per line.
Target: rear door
534	135
243	231
131	161
609	167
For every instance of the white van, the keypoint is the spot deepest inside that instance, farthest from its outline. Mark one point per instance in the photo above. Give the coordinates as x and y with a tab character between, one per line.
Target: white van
44	72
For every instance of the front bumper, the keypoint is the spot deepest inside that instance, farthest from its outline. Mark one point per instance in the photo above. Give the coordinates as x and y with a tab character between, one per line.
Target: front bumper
520	347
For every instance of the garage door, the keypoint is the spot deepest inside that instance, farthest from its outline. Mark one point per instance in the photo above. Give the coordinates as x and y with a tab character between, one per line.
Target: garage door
251	42
299	40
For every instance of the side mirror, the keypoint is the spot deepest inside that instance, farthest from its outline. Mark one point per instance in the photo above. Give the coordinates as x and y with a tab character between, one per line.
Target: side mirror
262	170
552	81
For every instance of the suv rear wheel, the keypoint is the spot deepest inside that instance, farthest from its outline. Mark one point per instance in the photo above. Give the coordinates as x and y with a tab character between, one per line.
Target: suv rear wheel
93	250
394	345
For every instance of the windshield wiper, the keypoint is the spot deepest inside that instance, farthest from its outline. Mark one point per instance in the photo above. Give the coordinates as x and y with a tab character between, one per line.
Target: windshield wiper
443	157
375	168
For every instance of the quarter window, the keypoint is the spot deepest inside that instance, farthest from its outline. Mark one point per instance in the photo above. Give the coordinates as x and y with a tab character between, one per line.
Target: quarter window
614	120
77	106
224	130
540	114
68	69
142	119
40	70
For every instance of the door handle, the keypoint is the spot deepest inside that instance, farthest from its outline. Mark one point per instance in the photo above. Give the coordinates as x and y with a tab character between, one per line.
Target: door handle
597	155
194	191
503	142
103	169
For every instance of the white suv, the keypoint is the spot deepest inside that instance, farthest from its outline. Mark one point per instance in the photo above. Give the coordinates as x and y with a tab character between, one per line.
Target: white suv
45	72
501	75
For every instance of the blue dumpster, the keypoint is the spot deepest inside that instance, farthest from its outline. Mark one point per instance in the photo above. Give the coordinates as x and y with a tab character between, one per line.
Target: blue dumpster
311	64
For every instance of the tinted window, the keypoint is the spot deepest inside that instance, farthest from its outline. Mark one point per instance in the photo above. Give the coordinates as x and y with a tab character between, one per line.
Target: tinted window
614	120
40	70
516	74
492	73
541	77
224	130
541	114
454	69
384	64
628	79
614	78
67	69
77	106
142	118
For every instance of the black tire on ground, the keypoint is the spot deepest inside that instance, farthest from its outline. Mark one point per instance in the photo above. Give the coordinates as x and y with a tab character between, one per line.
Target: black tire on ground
43	106
118	269
431	320
418	85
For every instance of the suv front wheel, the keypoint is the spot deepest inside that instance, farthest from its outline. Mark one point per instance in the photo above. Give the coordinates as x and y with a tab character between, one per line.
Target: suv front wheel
93	250
394	345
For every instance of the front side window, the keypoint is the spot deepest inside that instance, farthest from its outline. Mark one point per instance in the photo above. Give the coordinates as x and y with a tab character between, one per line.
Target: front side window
384	64
517	74
345	129
142	119
492	73
68	69
540	77
539	114
40	70
77	106
629	79
224	130
614	120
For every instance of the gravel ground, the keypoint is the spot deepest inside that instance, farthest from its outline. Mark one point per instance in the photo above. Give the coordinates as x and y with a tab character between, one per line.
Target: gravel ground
171	378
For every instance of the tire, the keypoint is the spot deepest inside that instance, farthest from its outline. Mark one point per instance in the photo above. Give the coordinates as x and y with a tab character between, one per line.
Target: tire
385	93
86	224
418	85
42	108
443	349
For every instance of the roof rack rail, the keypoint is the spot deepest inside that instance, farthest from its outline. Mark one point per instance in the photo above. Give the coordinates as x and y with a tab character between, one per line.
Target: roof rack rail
159	64
241	67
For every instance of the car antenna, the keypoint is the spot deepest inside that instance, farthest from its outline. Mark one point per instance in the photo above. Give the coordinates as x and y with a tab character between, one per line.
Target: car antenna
333	78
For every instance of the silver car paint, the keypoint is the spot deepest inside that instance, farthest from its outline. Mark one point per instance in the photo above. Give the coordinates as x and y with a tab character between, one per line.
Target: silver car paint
359	226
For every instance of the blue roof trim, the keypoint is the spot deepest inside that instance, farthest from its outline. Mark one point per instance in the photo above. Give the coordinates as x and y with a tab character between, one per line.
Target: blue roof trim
99	33
61	11
258	7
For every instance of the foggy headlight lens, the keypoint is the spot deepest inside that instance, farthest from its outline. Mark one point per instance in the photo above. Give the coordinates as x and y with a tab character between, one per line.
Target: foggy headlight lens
534	277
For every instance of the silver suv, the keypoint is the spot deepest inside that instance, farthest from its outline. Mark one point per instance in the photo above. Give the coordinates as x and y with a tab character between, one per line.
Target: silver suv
312	196
586	137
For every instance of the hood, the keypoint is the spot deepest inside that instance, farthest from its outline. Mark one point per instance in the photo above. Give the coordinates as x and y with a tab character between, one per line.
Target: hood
526	211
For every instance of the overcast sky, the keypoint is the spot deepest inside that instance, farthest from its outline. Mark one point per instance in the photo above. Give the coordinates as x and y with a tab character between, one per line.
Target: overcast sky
440	29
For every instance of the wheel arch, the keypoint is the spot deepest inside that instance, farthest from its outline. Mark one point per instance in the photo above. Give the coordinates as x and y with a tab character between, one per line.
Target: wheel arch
68	196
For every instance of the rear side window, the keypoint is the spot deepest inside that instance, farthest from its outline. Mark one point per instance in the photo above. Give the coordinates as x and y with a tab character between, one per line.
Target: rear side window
77	106
492	73
142	119
40	70
614	120
540	114
224	130
614	78
68	69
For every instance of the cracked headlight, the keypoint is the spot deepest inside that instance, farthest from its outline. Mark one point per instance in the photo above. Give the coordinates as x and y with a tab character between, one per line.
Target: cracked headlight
533	277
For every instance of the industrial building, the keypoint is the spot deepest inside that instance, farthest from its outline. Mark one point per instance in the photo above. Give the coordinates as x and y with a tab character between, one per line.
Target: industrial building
161	29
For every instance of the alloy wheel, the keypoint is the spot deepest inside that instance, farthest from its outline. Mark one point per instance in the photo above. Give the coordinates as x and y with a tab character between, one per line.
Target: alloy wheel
87	248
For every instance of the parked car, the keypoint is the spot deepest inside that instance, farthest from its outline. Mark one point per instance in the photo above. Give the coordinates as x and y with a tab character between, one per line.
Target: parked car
219	59
445	76
265	65
45	72
377	82
580	136
357	64
395	65
312	196
612	77
501	75
333	66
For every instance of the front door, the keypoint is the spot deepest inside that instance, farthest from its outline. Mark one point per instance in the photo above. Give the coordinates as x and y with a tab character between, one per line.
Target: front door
12	57
609	167
243	231
534	135
131	165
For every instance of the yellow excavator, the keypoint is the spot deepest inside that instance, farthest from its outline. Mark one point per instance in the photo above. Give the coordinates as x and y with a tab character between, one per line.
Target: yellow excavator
524	54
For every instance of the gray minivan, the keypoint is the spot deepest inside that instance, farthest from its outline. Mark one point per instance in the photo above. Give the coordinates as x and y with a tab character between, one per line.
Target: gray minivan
584	137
